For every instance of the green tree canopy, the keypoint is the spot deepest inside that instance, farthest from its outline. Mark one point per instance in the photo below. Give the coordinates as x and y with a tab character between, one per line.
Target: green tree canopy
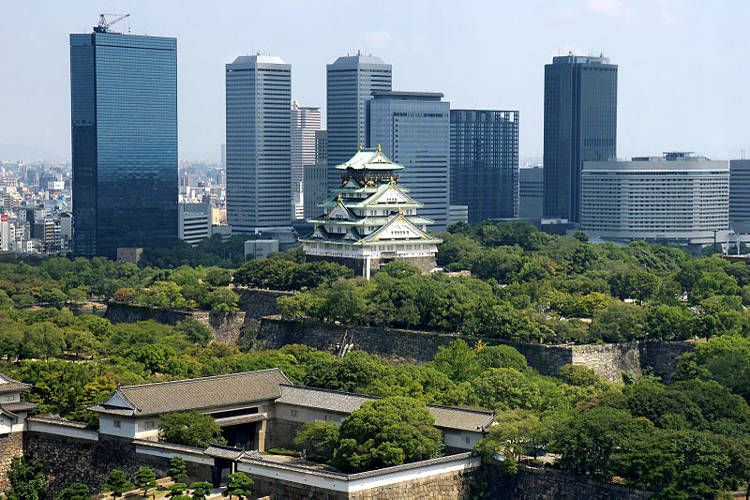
190	428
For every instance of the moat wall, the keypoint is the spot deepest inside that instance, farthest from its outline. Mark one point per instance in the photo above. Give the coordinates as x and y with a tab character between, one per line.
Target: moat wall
608	360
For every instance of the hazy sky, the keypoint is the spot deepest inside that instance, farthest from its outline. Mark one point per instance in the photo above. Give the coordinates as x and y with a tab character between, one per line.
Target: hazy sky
684	66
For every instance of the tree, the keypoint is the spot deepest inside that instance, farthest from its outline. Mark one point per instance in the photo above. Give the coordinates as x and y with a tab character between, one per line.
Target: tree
177	469
500	356
217	277
76	491
238	485
177	490
619	322
589	441
386	432
201	489
515	432
27	482
457	360
145	479
506	389
222	300
578	375
190	428
195	331
117	482
322	437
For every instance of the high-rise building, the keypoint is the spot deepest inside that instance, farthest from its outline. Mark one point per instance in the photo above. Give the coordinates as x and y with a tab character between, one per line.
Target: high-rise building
484	162
413	129
316	177
350	82
124	141
258	93
739	195
194	222
580	124
530	192
305	122
676	198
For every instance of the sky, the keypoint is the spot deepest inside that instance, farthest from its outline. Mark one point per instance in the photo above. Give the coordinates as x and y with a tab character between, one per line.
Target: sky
684	72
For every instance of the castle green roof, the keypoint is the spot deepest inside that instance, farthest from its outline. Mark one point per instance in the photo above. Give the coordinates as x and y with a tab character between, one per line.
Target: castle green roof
369	159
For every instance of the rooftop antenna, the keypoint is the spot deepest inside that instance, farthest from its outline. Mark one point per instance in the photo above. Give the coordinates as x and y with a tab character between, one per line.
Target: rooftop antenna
103	25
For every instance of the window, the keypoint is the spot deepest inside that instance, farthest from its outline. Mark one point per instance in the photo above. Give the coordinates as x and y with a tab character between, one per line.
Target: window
293	412
150	425
116	423
467	439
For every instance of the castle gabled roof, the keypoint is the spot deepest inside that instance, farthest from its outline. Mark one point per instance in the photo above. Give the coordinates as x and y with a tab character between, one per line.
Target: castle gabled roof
194	394
7	384
399	223
369	159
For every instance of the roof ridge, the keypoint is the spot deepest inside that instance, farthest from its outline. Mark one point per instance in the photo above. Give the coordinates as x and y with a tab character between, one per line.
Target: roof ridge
187	380
429	405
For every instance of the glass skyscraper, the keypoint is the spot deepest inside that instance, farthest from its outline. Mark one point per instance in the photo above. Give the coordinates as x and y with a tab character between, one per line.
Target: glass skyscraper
259	181
124	142
413	129
350	82
484	163
580	124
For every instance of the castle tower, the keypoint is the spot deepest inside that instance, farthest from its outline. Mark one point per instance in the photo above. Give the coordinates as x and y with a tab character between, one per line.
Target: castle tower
371	220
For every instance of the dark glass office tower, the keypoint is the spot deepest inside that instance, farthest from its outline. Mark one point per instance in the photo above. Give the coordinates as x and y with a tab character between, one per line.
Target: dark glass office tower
350	82
124	141
580	124
484	163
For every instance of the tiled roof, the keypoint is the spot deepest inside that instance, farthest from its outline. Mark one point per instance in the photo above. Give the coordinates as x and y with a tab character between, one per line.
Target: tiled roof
446	417
7	384
195	394
369	159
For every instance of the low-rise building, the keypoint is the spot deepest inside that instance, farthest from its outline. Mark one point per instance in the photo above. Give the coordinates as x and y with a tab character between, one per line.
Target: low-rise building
676	198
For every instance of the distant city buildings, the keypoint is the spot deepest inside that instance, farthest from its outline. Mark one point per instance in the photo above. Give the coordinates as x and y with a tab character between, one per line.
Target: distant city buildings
739	195
676	198
350	82
413	129
580	124
305	122
484	162
195	221
530	192
316	177
258	172
124	141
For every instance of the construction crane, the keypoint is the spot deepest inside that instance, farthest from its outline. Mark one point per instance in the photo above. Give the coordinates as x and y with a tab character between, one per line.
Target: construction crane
103	26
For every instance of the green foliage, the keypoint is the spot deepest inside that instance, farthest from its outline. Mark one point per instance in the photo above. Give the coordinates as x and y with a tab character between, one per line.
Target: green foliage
190	428
506	389
238	485
217	277
725	360
619	322
27	482
579	375
201	489
177	469
117	482
177	490
281	274
145	479
76	491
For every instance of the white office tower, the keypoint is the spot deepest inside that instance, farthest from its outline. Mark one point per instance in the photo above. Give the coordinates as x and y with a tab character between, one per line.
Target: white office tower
258	93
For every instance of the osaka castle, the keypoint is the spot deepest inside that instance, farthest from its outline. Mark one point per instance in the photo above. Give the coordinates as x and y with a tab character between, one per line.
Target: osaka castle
371	220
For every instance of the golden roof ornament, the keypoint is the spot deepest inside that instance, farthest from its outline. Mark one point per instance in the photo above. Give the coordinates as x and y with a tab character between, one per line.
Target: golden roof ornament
379	150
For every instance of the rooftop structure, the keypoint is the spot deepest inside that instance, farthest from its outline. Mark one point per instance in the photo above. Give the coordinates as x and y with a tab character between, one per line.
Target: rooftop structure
12	410
371	219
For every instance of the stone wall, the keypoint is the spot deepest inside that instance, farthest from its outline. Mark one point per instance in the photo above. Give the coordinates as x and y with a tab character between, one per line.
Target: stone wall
608	360
11	445
453	485
280	433
68	460
541	484
128	313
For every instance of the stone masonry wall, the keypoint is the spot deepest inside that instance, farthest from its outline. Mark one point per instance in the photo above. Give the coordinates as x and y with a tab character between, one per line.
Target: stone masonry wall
541	484
453	485
11	445
67	460
608	360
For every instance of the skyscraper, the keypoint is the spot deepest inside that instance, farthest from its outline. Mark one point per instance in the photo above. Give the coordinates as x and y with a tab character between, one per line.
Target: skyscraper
123	91
350	82
316	177
305	122
258	93
739	195
484	163
580	124
413	129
